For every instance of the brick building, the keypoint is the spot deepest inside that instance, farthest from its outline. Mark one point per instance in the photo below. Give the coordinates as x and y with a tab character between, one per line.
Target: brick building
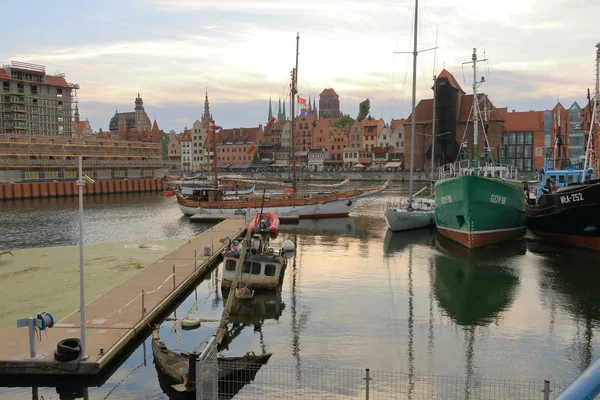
329	104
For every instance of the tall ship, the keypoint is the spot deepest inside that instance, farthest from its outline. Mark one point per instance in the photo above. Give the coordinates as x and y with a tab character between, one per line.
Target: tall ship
329	204
565	205
479	201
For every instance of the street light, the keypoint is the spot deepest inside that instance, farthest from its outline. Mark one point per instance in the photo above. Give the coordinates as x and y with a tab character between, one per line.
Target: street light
83	179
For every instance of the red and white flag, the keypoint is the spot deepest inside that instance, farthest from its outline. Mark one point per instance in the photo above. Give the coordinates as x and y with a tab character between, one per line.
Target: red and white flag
250	149
301	100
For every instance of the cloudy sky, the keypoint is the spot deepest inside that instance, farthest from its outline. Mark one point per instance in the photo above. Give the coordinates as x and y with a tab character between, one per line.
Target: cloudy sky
538	51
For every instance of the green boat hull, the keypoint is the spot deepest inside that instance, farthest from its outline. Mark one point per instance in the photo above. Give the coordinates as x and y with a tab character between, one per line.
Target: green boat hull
476	211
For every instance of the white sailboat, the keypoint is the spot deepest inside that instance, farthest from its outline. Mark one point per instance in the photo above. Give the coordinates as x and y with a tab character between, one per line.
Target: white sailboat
420	214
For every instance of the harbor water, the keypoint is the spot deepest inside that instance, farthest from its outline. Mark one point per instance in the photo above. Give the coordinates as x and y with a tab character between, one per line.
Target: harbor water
354	295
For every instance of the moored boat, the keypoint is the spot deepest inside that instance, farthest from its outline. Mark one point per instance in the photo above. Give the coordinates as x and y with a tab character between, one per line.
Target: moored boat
479	202
330	205
567	198
265	222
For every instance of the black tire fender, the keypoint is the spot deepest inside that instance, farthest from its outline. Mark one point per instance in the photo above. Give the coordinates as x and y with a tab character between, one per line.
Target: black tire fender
69	347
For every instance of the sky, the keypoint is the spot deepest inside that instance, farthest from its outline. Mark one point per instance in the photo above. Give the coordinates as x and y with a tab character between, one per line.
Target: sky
242	53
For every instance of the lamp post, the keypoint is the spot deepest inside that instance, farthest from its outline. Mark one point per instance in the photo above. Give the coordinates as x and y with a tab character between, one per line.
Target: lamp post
81	182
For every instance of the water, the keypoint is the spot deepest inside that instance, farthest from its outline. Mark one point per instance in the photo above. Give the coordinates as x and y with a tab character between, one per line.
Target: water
356	295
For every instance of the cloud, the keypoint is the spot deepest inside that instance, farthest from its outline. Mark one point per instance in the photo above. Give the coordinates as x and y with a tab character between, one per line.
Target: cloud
244	52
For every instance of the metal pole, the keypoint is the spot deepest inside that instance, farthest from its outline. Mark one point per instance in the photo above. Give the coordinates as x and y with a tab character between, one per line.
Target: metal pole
173	277
546	390
31	324
413	117
475	112
367	379
143	304
195	260
80	183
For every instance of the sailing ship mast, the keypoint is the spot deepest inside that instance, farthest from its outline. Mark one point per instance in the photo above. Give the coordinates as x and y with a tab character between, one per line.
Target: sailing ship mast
293	92
474	61
413	117
433	123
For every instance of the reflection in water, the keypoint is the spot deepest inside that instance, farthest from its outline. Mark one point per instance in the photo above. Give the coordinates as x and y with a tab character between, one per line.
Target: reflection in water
361	226
473	288
396	242
294	315
411	322
574	288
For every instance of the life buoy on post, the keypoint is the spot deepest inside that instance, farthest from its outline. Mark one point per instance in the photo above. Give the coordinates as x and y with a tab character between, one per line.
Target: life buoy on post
288	192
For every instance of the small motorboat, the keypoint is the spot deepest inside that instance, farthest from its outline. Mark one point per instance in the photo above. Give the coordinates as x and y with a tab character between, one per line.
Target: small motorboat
168	193
266	222
177	372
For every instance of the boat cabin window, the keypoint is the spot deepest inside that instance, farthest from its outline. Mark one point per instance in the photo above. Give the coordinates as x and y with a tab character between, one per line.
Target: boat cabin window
230	265
256	268
561	179
270	270
246	267
569	179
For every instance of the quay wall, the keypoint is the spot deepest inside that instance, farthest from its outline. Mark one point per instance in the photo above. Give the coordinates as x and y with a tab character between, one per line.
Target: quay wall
31	190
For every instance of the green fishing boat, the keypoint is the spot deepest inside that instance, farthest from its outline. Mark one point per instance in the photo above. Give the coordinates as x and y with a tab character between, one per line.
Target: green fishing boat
479	202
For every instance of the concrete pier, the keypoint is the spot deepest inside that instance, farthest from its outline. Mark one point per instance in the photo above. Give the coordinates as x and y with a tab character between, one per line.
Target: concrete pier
120	315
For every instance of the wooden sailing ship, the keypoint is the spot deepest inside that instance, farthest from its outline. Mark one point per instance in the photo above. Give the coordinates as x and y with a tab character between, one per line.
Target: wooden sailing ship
306	205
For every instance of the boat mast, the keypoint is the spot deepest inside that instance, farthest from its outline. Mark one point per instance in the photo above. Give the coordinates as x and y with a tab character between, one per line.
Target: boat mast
475	112
413	117
433	124
293	92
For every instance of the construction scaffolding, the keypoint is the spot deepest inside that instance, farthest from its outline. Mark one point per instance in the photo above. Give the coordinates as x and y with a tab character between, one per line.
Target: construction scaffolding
36	157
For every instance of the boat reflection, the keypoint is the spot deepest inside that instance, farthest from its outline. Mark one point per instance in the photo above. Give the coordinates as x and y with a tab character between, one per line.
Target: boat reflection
396	242
361	226
263	306
474	287
570	283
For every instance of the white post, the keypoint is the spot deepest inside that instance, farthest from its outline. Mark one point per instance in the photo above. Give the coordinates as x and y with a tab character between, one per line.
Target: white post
80	183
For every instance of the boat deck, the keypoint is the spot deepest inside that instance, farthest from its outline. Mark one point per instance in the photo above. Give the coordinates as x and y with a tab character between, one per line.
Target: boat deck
116	318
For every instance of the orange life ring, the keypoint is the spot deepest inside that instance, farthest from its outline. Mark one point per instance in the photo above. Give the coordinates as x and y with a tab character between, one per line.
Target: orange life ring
288	192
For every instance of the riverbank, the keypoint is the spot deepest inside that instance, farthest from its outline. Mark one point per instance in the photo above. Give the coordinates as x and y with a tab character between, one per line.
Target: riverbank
47	279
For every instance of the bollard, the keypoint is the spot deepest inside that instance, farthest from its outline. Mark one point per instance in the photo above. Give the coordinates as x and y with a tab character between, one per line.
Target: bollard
173	277
143	304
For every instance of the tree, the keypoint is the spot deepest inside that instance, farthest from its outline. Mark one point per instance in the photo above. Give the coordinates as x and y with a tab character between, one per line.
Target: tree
344	122
363	110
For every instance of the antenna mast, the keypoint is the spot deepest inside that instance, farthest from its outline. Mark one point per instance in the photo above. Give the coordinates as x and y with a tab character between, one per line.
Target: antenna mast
474	61
594	119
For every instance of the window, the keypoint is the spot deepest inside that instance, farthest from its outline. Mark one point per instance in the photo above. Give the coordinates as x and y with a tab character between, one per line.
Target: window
246	267
20	88
6	86
270	269
519	149
256	268
230	265
33	89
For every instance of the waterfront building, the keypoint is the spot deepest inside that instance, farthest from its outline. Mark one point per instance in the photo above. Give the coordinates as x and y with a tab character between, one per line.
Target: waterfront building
355	141
371	131
329	104
43	158
396	139
286	135
381	156
575	132
186	149
384	138
34	103
136	121
237	147
523	140
316	159
303	130
174	148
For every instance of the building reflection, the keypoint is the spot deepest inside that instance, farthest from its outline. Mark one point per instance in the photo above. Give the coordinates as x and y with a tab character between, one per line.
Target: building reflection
396	242
569	282
474	288
359	226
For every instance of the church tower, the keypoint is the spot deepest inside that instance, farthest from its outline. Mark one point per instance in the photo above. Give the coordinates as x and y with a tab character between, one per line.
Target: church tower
206	117
139	113
270	109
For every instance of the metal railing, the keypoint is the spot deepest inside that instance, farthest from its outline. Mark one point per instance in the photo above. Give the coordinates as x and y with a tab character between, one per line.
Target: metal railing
466	167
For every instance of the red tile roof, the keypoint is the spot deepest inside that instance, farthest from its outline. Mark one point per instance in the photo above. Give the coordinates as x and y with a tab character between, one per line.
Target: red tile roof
451	79
3	74
466	106
423	112
187	136
396	123
382	150
56	81
328	92
155	127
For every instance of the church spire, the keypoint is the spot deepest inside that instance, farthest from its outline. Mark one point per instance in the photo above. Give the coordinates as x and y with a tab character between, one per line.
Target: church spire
314	108
284	117
309	104
270	109
76	114
206	117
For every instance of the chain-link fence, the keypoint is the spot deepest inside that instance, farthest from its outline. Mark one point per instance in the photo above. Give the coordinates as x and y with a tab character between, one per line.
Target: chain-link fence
251	377
207	372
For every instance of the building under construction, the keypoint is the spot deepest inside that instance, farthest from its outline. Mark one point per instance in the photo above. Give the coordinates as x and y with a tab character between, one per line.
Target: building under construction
46	158
32	102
